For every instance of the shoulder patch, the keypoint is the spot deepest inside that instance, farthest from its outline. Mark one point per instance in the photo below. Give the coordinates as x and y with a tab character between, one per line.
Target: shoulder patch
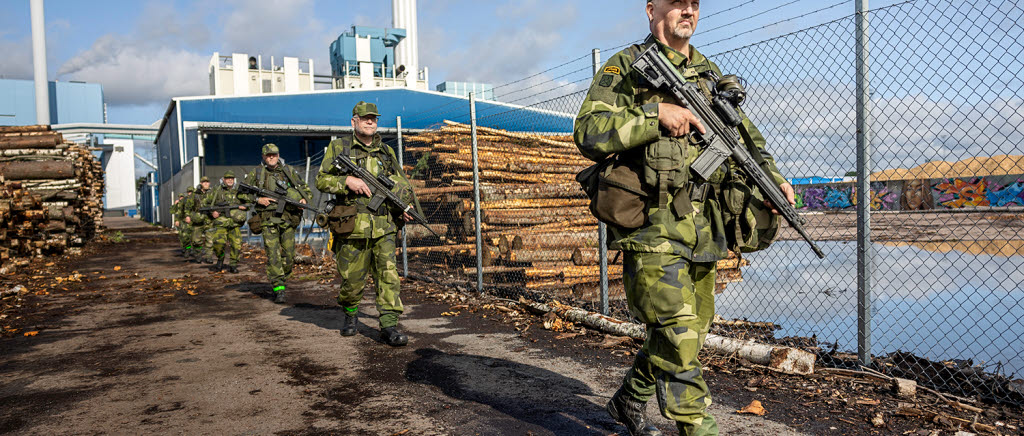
606	80
612	69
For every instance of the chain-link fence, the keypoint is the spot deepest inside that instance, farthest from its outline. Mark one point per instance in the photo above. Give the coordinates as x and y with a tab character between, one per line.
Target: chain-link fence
945	250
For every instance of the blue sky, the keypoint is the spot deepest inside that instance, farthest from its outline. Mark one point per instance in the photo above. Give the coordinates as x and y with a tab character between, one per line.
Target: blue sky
145	52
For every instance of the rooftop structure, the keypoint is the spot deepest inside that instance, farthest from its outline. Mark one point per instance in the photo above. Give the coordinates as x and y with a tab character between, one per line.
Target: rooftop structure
483	91
241	74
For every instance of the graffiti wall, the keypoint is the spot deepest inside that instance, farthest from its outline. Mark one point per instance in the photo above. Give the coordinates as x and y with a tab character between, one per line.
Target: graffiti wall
919	194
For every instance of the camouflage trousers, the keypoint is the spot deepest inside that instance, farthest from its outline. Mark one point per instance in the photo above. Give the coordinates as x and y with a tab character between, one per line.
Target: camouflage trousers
357	258
185	235
279	244
675	298
225	237
201	237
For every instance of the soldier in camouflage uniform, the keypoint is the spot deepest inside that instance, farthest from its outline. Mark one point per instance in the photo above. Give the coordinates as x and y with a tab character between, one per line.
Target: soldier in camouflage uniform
369	248
669	261
227	223
201	223
278	230
188	207
178	223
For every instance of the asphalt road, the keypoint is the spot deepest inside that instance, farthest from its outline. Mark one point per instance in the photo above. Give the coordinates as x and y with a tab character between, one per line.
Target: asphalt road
133	352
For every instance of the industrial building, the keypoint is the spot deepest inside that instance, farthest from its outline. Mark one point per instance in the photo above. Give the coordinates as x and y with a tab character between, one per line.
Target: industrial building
70	102
256	99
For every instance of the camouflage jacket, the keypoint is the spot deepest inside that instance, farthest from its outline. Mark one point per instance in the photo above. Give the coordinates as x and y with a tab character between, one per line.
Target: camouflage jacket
269	179
176	211
193	203
225	196
620	116
377	158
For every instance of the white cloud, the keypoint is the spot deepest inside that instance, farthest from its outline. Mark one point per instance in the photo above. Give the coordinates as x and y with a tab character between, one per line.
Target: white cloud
17	62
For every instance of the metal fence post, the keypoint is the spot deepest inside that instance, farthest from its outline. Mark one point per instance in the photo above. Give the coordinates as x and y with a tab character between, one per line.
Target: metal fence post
602	229
401	164
863	188
476	197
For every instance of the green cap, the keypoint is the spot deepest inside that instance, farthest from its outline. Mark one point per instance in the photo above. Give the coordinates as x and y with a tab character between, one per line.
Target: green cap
229	175
191	189
270	149
204	179
363	109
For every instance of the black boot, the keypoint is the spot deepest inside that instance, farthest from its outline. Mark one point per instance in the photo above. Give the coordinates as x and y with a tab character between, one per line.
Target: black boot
348	324
631	413
279	294
232	269
393	337
219	266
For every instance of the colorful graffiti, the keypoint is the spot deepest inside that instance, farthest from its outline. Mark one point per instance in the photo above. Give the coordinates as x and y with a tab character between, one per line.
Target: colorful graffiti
884	199
838	197
958	193
1009	195
918	194
814	198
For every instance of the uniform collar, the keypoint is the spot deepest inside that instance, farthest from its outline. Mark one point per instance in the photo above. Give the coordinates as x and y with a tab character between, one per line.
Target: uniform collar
375	143
692	60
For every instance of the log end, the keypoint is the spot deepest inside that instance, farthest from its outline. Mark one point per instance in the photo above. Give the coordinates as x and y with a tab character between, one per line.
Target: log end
792	361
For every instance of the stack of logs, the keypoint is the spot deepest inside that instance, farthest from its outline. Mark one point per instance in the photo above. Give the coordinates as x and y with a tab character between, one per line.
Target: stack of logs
51	195
537	229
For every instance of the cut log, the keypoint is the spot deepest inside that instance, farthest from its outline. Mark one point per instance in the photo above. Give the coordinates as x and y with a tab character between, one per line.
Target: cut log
532	203
18	170
418	231
492	192
524	255
41	141
784	359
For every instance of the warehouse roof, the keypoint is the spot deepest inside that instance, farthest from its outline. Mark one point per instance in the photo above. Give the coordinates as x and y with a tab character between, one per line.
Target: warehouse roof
419	109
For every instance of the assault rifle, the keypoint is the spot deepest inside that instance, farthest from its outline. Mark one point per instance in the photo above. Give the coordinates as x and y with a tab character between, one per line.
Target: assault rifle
222	208
381	188
279	196
720	119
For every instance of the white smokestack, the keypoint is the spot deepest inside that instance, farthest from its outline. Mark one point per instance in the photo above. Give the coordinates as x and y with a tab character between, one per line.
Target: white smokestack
39	62
403	16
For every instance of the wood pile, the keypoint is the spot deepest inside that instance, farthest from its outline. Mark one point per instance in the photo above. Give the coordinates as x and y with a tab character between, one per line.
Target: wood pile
51	195
538	231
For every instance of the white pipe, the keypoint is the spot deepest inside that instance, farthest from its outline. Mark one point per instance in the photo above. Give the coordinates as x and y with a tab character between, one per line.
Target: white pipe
39	62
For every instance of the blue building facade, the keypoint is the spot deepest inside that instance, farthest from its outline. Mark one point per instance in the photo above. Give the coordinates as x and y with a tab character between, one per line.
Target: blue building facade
70	102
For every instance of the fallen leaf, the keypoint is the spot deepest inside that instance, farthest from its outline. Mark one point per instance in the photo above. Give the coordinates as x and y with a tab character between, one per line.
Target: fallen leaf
31	333
117	268
754	408
192	293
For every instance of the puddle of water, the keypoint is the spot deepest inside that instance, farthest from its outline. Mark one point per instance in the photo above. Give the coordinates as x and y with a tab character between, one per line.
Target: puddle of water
953	301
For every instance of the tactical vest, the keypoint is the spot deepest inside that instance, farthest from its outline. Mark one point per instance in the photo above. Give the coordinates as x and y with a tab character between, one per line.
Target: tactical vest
386	167
665	163
267	180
